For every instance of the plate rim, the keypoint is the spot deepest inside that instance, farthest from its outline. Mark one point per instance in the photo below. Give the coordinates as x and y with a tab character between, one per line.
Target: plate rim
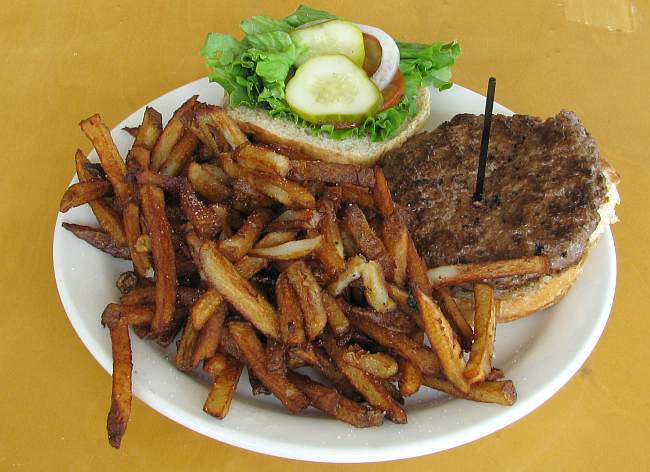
334	454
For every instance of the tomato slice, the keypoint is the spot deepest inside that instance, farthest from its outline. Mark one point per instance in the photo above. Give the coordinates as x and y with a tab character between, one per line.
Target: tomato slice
393	91
373	54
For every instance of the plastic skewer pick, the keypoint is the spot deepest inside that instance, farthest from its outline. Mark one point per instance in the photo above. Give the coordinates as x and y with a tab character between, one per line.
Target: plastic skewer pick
485	140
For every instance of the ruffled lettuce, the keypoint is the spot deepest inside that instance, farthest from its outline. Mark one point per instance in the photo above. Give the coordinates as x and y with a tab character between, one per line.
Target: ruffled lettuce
254	71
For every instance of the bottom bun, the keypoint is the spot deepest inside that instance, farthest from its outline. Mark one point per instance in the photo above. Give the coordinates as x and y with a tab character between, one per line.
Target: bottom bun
359	151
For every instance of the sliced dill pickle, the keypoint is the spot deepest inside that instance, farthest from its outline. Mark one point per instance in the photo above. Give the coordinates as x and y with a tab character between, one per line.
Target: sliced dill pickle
330	37
332	89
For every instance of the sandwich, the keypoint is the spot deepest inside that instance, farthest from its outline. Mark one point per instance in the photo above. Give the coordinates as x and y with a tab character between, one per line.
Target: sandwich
325	87
547	193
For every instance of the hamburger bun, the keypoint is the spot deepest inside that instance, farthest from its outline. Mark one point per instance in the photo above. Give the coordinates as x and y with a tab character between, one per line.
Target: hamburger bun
360	151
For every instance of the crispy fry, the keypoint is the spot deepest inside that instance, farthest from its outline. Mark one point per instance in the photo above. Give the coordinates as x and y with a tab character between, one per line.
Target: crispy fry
237	246
381	194
112	162
251	348
336	405
246	199
336	319
218	120
443	341
371	388
275	357
137	159
185	296
368	242
180	155
249	266
131	217
153	207
186	347
150	129
223	388
485	324
138	315
405	301
276	238
221	275
209	181
206	220
375	287
261	158
393	320
172	133
205	307
416	269
357	196
278	188
290	250
98	239
291	320
118	416
462	273
309	296
84	192
293	220
331	173
374	363
395	237
501	391
410	377
353	271
209	337
454	316
423	357
165	182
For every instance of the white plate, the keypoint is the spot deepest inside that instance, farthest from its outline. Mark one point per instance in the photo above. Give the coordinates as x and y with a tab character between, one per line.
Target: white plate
539	353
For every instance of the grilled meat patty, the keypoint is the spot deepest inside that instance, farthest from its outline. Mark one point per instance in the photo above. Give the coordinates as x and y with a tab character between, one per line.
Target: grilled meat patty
543	188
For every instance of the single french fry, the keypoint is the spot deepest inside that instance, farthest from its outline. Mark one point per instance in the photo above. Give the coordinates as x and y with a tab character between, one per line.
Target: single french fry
237	246
209	181
245	298
276	238
153	207
131	219
375	287
223	387
84	192
485	324
352	272
262	159
309	296
331	173
170	135
291	319
454	316
246	199
357	195
330	401
209	336
463	273
381	194
206	220
186	347
289	250
392	320
410	377
102	241
205	307
443	340
377	364
293	220
180	155
219	121
112	162
364	236
248	266
336	319
253	351
416	269
150	129
165	182
275	361
118	416
423	357
367	385
137	315
395	237
405	301
107	218
502	392
185	296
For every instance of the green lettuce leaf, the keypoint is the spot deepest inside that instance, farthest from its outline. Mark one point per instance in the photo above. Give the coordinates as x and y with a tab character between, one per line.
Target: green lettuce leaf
254	72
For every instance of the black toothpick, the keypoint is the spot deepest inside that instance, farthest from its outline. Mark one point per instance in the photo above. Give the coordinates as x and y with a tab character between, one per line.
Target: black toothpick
485	140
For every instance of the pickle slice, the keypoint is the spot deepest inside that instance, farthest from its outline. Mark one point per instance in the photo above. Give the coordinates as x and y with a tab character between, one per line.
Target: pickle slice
332	89
330	37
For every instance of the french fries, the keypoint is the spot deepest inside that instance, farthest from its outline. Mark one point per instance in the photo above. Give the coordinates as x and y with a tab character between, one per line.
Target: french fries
443	341
485	324
226	372
463	273
246	299
207	211
276	382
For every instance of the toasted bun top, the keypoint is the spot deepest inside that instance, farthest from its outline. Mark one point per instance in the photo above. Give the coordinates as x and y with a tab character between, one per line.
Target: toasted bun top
360	151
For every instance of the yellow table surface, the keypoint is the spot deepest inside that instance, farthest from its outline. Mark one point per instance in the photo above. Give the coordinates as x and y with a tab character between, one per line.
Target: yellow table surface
63	61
